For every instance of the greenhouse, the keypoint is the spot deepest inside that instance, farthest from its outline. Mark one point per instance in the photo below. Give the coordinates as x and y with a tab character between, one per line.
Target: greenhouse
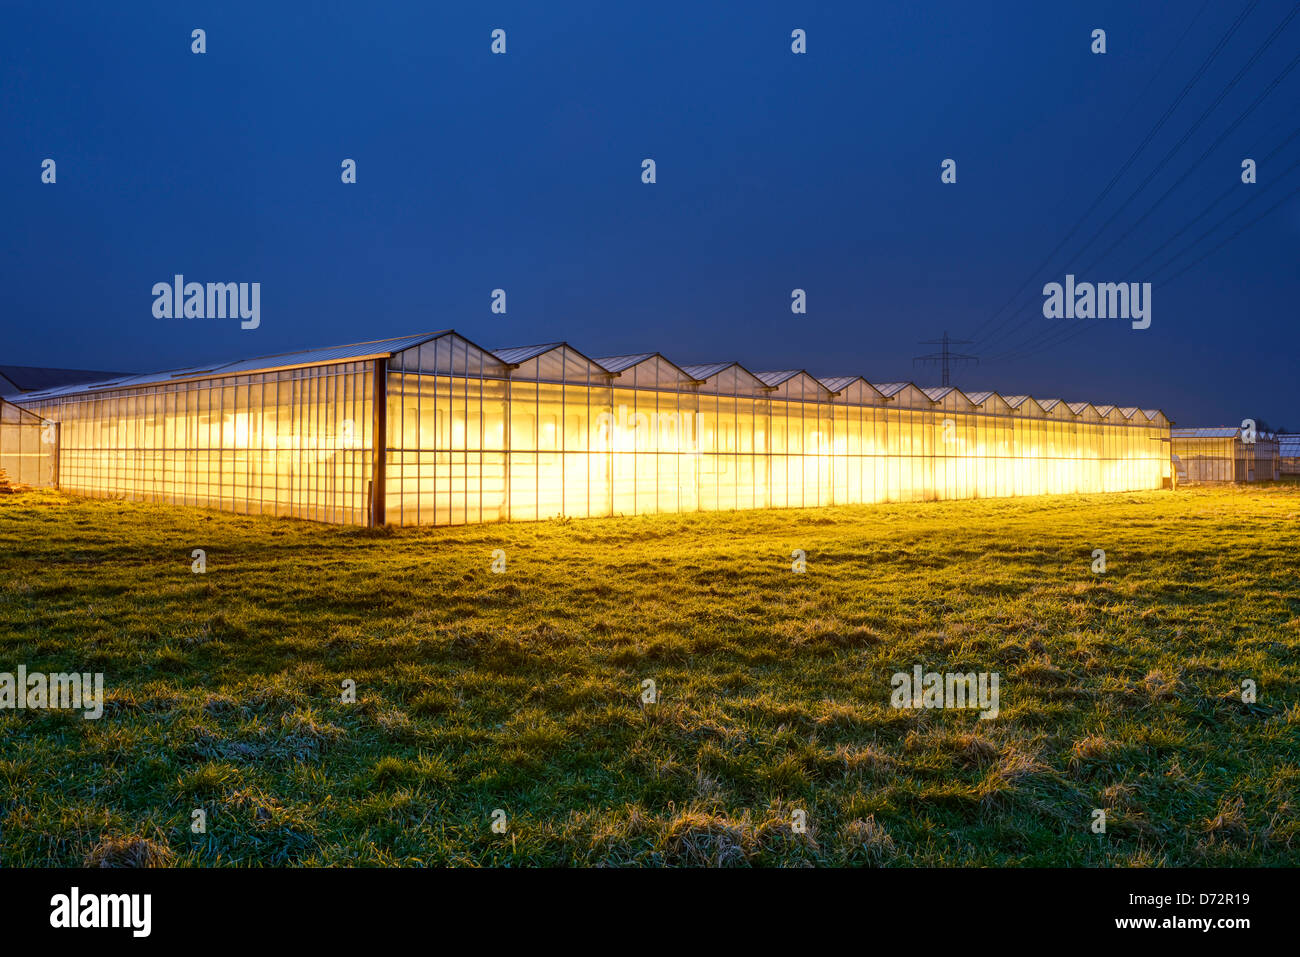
1289	454
1220	454
435	430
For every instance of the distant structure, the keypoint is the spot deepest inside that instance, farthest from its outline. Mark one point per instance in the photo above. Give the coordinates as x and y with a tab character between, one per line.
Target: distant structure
15	380
1221	455
1289	450
945	358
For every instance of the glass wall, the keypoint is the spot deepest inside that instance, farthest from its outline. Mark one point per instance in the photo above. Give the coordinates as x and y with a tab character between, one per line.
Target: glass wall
1219	455
446	457
28	446
294	442
556	435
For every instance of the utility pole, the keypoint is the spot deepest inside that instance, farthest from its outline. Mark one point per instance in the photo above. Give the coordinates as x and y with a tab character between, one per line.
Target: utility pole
946	357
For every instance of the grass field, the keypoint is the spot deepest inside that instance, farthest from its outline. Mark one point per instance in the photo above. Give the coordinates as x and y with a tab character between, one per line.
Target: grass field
521	691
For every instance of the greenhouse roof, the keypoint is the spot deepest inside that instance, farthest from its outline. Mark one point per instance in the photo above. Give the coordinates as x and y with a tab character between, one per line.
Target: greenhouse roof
516	356
776	378
15	379
11	414
938	393
374	349
840	382
620	363
707	370
1214	432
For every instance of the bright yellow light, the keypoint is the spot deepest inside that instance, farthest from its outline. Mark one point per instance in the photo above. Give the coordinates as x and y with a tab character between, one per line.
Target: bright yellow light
539	450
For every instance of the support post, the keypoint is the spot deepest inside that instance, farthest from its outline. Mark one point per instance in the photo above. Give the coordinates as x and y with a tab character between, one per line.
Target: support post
379	444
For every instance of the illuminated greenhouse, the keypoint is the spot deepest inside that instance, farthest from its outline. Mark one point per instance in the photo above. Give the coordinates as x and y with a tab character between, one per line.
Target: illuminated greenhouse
1288	455
435	430
1222	455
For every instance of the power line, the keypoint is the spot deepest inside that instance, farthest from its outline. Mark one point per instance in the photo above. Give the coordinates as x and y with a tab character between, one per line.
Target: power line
1241	17
1210	252
1177	146
1165	62
1057	336
1195	262
1049	336
1220	198
1213	146
1195	126
997	336
1225	242
1192	245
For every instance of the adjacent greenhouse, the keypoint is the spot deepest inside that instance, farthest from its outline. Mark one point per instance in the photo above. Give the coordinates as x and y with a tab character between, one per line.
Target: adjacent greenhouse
1288	448
1224	455
28	446
434	430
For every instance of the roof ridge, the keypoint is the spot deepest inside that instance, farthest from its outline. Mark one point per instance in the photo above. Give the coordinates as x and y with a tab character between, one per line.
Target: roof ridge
133	380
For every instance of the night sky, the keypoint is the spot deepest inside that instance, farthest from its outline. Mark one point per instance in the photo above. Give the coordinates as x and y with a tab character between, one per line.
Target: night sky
775	171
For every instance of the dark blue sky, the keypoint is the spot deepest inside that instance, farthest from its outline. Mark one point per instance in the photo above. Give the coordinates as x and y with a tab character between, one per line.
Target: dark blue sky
775	171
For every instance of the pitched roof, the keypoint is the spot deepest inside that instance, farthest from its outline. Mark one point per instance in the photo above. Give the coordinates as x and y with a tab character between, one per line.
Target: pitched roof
1212	432
776	378
937	393
39	378
840	382
619	363
518	354
372	349
22	377
707	370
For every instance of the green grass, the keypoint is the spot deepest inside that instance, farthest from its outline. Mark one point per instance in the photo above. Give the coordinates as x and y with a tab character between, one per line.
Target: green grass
521	691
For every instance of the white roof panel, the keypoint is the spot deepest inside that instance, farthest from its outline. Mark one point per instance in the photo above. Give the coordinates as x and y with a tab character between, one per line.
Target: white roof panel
1213	432
375	348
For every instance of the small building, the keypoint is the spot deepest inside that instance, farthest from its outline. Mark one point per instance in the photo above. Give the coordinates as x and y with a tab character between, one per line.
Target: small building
1222	455
1289	454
